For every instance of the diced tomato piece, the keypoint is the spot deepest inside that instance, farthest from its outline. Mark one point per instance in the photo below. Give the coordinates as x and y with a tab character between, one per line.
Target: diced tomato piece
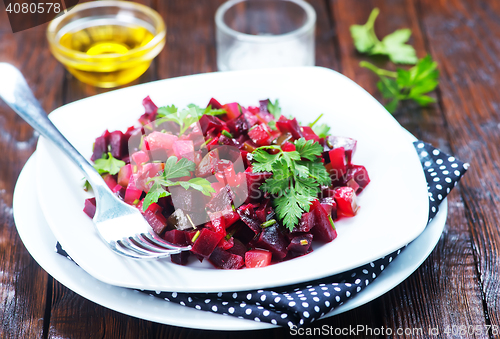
232	109
345	197
338	161
257	258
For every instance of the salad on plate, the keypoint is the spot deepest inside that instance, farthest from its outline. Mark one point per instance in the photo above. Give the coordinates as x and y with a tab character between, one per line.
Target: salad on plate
245	186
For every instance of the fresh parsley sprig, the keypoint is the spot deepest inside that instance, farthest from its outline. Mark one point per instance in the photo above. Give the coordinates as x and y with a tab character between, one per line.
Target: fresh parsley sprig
412	84
320	130
296	180
393	45
274	109
173	170
108	164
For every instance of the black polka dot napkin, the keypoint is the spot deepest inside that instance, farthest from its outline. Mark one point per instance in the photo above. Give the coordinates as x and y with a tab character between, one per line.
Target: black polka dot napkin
301	304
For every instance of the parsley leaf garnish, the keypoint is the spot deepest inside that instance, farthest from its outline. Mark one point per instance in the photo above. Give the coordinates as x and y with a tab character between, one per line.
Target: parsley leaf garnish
274	109
412	84
175	169
393	45
320	130
108	165
296	179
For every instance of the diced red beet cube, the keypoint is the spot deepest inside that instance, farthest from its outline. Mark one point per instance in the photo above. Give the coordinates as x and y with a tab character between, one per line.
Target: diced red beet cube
150	111
211	123
110	181
323	230
347	205
338	161
188	200
205	244
184	149
288	147
238	248
257	258
248	216
132	194
146	172
232	109
263	105
214	104
254	181
291	126
139	158
260	135
157	140
330	206
272	239
100	146
241	232
309	133
180	258
222	200
155	218
89	207
226	244
176	237
333	142
118	144
124	175
306	223
225	260
300	243
238	126
360	175
230	217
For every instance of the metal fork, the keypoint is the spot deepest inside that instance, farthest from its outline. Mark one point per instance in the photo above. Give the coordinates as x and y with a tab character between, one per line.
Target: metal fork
120	225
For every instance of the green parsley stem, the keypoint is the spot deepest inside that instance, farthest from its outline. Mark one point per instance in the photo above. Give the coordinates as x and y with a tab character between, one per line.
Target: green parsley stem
268	223
227	134
315	121
378	71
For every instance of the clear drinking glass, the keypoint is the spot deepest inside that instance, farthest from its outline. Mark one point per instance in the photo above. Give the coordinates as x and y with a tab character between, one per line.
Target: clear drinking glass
265	33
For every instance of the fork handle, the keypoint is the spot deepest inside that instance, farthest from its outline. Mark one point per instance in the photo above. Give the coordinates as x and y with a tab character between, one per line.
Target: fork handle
16	93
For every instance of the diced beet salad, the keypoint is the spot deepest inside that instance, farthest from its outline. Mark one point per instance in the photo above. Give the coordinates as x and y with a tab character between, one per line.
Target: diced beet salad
245	186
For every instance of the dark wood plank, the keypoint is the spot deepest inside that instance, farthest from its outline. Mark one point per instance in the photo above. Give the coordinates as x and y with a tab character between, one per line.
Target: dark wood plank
463	38
429	298
23	292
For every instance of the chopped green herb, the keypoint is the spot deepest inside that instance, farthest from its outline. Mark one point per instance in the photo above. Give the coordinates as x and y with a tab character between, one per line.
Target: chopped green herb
268	223
274	109
108	164
295	182
393	45
227	134
175	169
412	84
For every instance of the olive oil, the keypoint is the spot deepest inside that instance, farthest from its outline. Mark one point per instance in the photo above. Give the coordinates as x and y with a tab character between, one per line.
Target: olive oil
107	53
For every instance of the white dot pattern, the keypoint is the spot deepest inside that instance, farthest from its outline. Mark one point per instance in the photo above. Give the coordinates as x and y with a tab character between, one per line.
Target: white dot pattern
301	304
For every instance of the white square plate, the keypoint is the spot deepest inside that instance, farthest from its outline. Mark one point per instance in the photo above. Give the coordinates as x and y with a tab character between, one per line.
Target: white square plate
394	207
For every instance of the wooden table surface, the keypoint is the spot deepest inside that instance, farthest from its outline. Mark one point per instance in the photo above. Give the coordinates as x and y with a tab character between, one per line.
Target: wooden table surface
458	285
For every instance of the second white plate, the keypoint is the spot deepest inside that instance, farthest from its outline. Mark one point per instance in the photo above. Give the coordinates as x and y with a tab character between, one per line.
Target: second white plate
394	207
40	242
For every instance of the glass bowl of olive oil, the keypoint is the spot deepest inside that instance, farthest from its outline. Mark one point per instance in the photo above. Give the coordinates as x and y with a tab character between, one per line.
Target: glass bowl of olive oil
107	43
